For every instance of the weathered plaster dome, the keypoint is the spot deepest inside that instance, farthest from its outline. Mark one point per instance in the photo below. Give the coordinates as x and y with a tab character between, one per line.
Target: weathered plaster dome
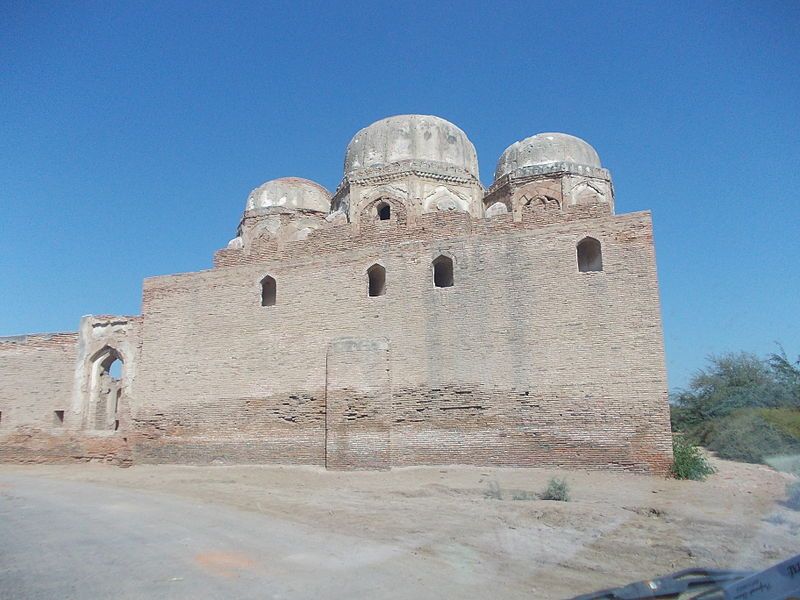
411	137
290	192
546	148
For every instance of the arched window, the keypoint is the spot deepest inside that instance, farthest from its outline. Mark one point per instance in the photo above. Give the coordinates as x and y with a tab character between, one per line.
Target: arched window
384	211
443	271
377	280
115	369
107	388
590	255
269	291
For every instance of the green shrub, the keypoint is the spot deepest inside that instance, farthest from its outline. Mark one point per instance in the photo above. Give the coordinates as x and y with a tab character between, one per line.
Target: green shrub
557	489
688	461
793	495
732	382
680	418
743	408
787	373
748	436
785	420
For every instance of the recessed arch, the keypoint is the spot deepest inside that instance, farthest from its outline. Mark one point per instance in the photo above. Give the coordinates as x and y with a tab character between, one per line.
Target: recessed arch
590	255
376	276
269	291
382	206
443	199
442	271
107	373
108	358
496	209
586	193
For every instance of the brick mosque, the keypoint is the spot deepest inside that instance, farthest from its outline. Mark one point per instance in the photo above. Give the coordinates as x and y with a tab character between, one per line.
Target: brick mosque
411	317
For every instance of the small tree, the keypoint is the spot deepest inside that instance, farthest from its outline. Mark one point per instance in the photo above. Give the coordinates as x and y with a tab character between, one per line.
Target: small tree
689	462
788	373
741	407
731	382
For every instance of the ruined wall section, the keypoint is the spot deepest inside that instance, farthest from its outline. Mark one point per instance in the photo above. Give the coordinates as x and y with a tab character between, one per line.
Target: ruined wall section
524	361
103	339
48	410
36	379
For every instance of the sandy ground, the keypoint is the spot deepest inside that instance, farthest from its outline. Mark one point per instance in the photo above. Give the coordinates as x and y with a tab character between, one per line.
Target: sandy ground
617	528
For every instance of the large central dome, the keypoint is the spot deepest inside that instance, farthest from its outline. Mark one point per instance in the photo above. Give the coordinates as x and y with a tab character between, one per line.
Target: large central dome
411	137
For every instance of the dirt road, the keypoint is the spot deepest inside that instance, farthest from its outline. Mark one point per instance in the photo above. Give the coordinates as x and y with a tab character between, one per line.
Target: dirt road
94	531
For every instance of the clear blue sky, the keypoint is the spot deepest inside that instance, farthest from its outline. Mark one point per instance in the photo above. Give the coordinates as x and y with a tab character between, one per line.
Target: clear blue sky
131	134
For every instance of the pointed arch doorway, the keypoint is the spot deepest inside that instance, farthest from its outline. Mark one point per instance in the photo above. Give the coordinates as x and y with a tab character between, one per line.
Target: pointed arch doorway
106	391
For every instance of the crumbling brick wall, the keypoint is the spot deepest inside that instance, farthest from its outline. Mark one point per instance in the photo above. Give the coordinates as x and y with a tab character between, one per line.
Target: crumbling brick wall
37	374
47	409
524	361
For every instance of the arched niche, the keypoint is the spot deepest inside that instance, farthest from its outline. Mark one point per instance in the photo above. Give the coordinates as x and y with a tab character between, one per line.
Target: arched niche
590	255
382	210
269	291
107	375
376	280
497	209
442	271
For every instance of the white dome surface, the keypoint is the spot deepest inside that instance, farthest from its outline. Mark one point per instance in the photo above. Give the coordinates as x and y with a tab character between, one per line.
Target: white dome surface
411	137
290	192
546	148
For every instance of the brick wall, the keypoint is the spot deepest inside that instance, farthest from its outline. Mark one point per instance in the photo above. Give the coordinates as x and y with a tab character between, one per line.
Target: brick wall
524	361
358	404
37	374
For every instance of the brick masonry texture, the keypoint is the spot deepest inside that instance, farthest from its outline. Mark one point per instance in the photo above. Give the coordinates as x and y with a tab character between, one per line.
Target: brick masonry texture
523	362
36	379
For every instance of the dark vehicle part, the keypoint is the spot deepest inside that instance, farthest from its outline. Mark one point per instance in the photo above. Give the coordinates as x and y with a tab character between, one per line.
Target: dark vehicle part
780	582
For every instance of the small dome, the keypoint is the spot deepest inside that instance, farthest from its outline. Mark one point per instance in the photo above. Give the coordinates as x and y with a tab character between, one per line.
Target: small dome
290	192
411	137
546	148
